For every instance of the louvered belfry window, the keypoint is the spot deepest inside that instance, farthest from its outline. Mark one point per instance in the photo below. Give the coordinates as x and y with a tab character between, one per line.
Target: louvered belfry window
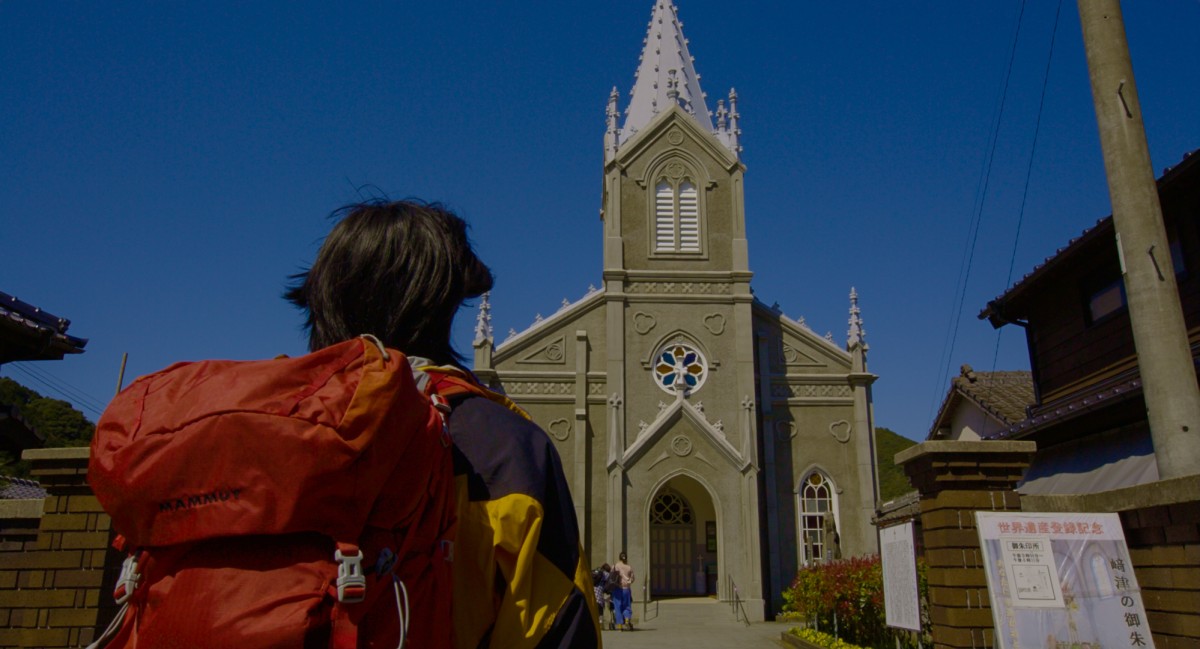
676	213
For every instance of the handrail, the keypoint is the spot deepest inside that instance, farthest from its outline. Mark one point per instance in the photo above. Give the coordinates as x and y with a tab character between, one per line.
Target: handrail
739	609
646	601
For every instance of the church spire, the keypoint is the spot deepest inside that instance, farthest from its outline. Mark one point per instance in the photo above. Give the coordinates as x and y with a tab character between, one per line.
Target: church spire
666	74
483	322
856	334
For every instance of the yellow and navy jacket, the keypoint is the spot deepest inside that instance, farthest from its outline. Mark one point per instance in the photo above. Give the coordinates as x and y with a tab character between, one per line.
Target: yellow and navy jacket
519	576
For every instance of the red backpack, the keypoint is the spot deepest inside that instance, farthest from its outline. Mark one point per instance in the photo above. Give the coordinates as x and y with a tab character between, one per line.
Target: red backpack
295	502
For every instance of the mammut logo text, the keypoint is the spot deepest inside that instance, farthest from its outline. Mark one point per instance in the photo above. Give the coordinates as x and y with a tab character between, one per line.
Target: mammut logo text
199	500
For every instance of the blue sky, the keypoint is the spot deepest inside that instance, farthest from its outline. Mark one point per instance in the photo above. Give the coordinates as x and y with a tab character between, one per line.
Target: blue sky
165	166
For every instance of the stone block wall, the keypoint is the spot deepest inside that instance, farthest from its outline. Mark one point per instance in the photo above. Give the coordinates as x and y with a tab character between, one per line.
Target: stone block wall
57	570
1162	529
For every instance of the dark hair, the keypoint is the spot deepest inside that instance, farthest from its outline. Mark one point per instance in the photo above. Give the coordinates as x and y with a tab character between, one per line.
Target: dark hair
397	270
622	557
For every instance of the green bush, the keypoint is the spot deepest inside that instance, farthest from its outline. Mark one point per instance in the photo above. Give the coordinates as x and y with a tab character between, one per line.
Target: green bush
845	598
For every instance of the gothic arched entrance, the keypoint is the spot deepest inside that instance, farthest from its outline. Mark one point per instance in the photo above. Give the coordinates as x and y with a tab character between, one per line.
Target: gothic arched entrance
683	540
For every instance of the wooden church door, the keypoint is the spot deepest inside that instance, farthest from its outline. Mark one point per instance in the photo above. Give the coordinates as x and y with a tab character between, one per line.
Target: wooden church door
672	545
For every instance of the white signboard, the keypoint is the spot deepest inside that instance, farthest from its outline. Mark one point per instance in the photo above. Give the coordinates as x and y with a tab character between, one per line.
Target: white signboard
1061	580
901	597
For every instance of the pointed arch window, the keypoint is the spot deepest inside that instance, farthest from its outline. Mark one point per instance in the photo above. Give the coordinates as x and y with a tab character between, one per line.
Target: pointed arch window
677	214
816	513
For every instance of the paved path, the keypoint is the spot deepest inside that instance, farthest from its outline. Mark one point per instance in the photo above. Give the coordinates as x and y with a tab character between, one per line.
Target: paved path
693	623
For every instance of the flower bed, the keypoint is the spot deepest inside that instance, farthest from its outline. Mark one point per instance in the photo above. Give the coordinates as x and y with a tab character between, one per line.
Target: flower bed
812	639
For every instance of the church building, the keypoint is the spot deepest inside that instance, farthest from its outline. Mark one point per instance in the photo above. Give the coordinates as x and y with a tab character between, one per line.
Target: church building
718	442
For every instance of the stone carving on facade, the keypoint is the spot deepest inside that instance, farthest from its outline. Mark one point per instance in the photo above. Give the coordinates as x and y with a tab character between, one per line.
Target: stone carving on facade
643	322
785	430
596	389
559	429
715	323
686	288
541	388
552	353
681	445
642	426
841	430
675	137
662	457
809	391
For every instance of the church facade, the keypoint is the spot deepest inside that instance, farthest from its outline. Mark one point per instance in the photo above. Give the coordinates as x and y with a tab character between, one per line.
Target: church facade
718	442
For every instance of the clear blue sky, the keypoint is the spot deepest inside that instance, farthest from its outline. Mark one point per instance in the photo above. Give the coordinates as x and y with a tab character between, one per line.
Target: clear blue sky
165	166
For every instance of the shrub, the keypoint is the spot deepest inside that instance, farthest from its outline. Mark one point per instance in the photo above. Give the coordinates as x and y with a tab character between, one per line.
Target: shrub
845	597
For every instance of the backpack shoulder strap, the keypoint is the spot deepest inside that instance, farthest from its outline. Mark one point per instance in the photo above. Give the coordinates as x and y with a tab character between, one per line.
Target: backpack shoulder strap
450	382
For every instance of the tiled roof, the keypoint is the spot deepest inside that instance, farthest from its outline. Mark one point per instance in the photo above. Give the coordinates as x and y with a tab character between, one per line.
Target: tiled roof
29	333
20	489
1003	395
1125	385
995	308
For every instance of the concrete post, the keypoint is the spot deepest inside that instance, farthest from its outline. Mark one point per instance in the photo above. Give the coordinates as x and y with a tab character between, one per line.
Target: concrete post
1159	331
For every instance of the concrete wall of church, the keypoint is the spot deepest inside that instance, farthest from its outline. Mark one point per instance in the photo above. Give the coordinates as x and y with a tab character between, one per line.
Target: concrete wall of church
703	327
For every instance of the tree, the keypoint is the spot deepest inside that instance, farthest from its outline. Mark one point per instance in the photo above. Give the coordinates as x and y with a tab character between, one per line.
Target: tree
892	481
56	420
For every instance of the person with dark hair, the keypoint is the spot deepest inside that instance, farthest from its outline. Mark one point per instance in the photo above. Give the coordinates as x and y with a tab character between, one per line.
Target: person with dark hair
623	595
400	271
599	581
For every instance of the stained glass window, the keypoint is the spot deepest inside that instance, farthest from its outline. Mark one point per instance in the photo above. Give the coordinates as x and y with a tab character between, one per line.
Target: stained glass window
816	502
670	509
679	367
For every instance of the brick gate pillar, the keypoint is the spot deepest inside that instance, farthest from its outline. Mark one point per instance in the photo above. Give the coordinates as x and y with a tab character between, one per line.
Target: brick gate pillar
64	580
954	480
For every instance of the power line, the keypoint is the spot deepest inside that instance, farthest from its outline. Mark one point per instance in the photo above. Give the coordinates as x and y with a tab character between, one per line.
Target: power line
62	388
973	231
1037	129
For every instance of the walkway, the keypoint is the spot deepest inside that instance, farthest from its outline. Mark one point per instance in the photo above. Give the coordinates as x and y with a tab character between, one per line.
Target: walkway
693	623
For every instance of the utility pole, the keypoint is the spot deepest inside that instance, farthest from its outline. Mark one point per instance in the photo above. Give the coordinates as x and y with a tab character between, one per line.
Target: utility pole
1159	332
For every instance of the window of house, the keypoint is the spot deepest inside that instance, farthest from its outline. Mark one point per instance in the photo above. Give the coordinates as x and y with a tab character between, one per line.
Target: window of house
1107	301
1110	298
817	517
676	216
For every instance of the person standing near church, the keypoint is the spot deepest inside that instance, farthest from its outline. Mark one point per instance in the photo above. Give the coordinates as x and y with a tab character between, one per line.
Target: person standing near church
623	596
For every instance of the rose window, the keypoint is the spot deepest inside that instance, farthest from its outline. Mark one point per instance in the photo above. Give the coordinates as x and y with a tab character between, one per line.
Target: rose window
679	367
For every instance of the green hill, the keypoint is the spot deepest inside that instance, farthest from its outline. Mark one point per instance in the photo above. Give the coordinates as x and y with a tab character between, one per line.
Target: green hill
59	423
892	481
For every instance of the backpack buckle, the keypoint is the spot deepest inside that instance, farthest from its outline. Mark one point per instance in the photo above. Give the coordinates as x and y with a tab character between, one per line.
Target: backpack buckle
440	403
128	581
351	582
443	409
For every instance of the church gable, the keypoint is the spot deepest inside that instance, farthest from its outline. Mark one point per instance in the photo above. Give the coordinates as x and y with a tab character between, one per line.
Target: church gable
549	345
681	429
793	348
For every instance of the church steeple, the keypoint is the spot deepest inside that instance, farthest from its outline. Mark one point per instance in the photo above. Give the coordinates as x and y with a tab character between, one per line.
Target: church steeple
665	75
